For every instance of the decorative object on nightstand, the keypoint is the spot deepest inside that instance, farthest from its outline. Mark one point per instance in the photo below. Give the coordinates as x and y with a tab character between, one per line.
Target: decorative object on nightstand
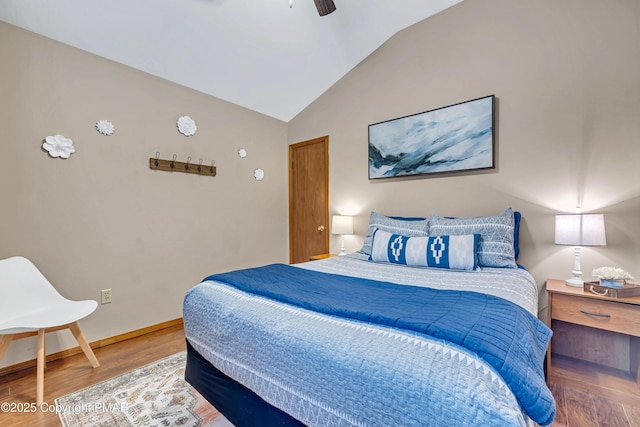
342	225
579	230
612	277
612	283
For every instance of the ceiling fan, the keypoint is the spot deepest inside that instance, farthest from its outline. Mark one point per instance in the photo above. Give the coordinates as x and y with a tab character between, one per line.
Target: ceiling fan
324	7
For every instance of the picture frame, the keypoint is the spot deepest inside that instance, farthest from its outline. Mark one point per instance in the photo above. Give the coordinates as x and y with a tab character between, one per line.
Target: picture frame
455	138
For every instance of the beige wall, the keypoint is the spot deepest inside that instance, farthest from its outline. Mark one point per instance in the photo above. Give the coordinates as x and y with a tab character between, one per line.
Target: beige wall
102	218
565	75
567	80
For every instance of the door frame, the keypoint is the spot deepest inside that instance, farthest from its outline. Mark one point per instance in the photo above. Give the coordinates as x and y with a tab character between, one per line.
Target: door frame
325	141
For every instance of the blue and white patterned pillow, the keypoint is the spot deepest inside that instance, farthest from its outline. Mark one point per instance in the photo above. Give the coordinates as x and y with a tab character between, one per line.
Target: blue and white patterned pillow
496	246
405	226
451	252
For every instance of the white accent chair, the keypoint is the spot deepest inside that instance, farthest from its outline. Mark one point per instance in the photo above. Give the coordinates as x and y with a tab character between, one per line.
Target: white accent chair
30	305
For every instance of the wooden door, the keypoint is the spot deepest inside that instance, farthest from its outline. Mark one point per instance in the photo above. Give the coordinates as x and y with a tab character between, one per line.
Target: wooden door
308	199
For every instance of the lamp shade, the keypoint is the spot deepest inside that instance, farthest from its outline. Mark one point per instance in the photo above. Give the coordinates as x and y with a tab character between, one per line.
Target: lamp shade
342	224
580	230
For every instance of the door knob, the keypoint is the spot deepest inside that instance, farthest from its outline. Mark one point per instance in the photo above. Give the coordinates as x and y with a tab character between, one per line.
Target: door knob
321	228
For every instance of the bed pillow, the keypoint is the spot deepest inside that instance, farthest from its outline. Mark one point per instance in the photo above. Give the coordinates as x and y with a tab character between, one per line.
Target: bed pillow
400	225
517	216
451	252
496	246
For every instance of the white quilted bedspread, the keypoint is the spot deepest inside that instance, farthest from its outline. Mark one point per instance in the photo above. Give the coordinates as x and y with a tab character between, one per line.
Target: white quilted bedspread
327	371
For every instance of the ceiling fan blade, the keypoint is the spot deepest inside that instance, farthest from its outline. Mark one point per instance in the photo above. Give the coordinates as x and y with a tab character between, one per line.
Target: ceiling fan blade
324	7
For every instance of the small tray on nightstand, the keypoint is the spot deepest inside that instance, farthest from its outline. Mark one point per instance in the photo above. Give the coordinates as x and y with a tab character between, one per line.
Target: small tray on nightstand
629	290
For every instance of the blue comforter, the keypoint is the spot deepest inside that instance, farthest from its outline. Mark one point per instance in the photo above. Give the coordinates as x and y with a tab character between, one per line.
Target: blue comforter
505	335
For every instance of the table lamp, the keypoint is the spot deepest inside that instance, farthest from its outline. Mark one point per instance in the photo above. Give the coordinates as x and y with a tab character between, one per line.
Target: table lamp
342	225
579	230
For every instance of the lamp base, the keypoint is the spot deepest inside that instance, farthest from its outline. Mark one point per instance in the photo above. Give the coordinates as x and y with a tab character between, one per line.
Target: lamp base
343	250
578	283
576	273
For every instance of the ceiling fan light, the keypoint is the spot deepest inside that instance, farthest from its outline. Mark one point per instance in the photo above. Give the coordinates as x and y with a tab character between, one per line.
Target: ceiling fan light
324	7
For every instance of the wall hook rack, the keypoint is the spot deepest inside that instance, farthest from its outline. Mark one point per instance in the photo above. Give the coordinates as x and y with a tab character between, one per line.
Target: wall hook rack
172	165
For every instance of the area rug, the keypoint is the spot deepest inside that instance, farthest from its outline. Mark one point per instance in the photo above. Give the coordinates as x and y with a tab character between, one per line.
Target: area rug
153	395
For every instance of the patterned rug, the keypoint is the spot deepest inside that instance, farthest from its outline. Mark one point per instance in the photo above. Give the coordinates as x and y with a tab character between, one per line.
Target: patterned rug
150	396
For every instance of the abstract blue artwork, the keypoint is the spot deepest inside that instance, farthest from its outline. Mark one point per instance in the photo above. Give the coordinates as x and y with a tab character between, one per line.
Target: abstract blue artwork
456	138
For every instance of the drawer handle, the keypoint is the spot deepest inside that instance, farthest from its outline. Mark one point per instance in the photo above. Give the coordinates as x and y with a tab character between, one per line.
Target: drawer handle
591	313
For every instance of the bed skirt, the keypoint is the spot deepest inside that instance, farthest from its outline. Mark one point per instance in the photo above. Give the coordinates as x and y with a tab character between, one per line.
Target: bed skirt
238	404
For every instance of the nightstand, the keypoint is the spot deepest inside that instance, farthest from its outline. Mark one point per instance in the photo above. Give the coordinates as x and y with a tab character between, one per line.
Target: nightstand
321	256
596	340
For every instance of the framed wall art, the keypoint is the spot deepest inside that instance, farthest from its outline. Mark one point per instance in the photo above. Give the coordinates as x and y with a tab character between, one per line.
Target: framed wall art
459	137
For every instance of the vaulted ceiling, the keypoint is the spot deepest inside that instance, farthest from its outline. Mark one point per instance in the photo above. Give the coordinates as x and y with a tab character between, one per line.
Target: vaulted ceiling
271	56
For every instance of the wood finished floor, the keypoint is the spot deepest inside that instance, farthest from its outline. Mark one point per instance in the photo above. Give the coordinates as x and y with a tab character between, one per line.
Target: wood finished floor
615	401
73	373
576	407
580	409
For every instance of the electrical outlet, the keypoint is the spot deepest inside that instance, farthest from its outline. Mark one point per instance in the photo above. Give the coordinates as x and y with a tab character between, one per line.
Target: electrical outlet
106	296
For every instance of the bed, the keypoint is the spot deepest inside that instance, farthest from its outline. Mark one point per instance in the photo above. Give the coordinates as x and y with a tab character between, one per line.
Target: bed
364	340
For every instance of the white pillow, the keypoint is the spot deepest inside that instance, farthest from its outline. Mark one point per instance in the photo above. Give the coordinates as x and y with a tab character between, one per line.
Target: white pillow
401	225
451	252
496	246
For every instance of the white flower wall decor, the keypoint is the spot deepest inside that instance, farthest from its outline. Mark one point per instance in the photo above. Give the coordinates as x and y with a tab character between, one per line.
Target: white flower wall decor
242	153
187	126
258	174
105	127
58	146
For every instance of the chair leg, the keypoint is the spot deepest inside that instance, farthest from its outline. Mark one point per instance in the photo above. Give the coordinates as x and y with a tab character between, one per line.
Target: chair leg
5	340
40	368
84	345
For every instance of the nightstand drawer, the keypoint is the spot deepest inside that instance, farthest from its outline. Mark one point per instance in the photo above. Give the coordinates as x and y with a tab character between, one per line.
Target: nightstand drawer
608	315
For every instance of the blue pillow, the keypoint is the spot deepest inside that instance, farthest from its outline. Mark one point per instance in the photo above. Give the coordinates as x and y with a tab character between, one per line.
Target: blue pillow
496	247
408	218
450	252
400	225
517	216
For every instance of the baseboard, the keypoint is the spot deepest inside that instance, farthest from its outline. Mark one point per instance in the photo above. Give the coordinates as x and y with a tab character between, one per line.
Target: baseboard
95	344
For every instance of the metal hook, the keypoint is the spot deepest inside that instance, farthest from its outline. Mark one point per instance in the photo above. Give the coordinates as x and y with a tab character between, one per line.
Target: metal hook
200	165
157	157
172	164
186	167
